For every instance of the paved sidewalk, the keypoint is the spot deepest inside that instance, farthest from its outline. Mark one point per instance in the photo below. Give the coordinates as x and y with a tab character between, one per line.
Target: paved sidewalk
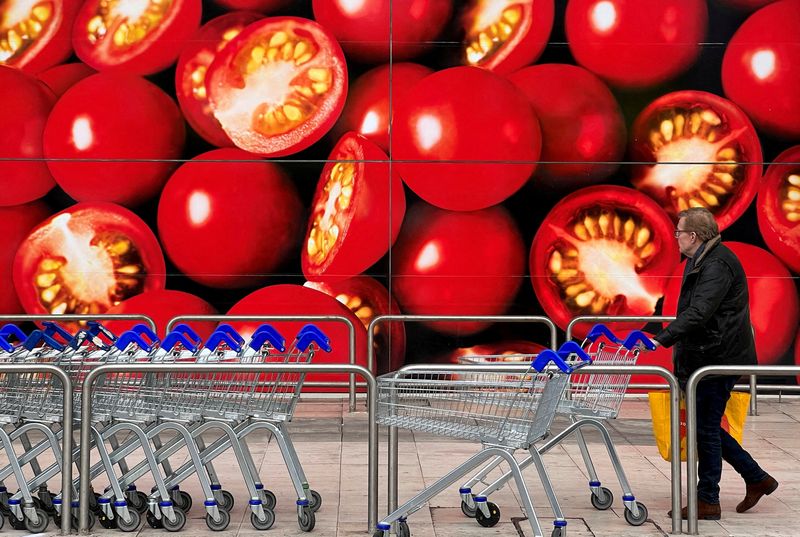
332	445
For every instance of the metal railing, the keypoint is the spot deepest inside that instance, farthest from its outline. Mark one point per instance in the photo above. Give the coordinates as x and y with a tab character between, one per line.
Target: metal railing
66	438
310	318
691	421
99	318
753	386
674	419
86	417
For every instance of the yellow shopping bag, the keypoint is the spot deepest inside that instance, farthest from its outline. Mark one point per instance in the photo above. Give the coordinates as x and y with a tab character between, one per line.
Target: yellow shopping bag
732	420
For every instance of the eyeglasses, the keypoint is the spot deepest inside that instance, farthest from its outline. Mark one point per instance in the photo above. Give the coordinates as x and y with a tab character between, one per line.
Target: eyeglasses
679	231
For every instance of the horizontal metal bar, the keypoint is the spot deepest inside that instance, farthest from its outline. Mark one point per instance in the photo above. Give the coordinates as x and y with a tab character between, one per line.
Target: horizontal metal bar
99	318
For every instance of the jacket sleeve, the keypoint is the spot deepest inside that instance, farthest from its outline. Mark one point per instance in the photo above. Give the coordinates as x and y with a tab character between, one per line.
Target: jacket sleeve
712	285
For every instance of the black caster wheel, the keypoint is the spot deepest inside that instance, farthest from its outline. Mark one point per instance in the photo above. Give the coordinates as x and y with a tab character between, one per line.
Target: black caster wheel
16	523
557	532
603	500
224	499
314	500
307	520
152	521
39	526
493	518
137	500
265	524
636	520
221	524
133	524
107	523
378	533
268	499
402	529
182	500
467	510
174	525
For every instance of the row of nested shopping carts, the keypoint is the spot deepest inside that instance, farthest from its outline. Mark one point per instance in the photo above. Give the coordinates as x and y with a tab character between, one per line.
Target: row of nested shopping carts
149	416
510	411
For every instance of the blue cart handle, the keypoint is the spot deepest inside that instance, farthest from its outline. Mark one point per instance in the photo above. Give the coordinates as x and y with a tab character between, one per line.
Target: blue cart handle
267	333
569	348
129	337
228	329
38	336
190	334
144	330
601	330
314	329
96	329
547	356
175	337
634	338
5	346
218	337
13	330
54	329
306	338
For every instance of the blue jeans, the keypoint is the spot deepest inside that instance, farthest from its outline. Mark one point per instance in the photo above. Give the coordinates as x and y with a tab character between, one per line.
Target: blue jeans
715	444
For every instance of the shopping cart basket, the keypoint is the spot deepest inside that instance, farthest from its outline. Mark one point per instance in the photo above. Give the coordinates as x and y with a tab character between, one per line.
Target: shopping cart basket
589	399
504	412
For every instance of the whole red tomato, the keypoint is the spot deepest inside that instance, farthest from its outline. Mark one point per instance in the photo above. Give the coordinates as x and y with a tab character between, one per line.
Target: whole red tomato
355	203
96	120
367	109
504	35
86	259
774	305
26	105
368	298
62	77
36	35
190	75
162	306
15	224
761	68
582	124
298	300
139	38
475	133
716	141
635	44
778	207
262	6
602	250
457	263
363	29
278	86
229	233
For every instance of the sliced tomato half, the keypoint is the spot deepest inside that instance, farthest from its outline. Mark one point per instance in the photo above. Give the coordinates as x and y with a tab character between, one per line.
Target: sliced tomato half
34	34
142	36
279	86
779	207
356	202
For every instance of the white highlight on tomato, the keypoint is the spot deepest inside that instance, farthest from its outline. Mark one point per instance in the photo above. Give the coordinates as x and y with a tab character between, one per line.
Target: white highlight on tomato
89	271
429	256
16	12
370	123
352	7
82	134
604	16
429	130
131	9
199	205
763	64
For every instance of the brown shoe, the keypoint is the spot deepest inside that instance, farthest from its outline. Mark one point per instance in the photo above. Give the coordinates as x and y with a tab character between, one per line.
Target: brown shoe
755	491
705	511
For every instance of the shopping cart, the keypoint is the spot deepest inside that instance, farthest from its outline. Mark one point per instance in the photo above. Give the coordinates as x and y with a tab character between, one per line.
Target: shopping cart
589	399
504	412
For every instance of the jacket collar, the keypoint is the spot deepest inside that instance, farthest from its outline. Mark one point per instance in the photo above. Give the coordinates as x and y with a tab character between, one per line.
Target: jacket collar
709	246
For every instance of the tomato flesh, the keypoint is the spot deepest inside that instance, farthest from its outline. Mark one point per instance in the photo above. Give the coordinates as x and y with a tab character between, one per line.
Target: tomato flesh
34	34
278	86
779	207
715	140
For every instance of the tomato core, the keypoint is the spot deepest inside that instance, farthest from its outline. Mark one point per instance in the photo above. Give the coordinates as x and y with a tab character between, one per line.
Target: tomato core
492	25
126	23
20	25
789	196
325	229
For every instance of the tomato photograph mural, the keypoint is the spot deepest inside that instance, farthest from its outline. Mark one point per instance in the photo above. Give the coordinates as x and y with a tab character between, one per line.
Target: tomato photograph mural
374	157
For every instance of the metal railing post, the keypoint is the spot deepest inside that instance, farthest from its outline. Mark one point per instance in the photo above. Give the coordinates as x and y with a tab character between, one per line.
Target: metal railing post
265	318
691	421
86	416
393	438
674	417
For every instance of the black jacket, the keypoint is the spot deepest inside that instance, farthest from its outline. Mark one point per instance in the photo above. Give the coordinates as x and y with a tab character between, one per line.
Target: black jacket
713	319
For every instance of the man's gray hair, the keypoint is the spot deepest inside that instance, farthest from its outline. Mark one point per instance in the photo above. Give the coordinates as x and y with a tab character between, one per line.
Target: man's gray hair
701	221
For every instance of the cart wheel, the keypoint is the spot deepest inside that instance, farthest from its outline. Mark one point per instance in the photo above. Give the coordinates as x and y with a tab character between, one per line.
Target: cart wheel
467	510
636	521
315	500
263	524
183	501
46	499
557	532
152	521
2	521
224	499
222	523
268	499
138	500
493	518
131	526
178	524
107	523
41	525
602	501
92	520
306	520
16	523
378	533
402	529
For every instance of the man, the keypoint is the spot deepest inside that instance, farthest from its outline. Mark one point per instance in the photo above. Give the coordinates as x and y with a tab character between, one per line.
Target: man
713	328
